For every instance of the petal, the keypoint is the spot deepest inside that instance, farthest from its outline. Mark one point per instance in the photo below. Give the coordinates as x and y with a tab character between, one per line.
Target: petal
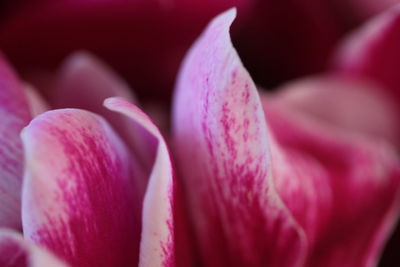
363	175
157	244
15	113
84	82
83	191
17	252
350	104
372	52
224	157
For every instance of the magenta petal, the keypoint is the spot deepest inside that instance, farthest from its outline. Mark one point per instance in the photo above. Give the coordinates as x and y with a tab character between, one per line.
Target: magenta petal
373	52
363	175
157	244
82	190
224	157
15	113
17	252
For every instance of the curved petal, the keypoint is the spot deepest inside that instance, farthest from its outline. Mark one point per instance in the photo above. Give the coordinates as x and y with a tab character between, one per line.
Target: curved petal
82	192
224	157
363	175
15	113
17	252
372	52
157	245
354	105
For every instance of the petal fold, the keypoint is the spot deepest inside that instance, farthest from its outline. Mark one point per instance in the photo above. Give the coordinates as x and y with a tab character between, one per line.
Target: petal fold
157	245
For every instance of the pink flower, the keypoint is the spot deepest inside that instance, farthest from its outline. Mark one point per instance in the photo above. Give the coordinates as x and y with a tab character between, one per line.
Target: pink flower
301	177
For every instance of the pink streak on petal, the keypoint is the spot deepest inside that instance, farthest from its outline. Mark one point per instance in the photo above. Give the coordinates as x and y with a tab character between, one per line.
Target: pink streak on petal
15	114
363	175
373	52
82	191
157	244
224	157
17	252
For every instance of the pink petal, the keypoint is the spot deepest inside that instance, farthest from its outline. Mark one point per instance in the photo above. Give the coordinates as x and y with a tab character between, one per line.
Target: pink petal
224	157
84	82
157	244
362	175
15	115
17	252
372	52
350	104
83	190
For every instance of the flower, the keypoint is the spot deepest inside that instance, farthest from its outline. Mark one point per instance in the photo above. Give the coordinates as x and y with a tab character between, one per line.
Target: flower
299	177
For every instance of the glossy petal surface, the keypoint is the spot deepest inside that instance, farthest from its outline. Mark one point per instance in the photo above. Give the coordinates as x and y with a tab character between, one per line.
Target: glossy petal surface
82	191
15	113
157	244
17	252
224	158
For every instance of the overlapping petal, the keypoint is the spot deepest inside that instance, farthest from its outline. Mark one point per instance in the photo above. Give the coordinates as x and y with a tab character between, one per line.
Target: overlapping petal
362	175
303	189
372	52
158	240
15	113
82	191
17	252
83	81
